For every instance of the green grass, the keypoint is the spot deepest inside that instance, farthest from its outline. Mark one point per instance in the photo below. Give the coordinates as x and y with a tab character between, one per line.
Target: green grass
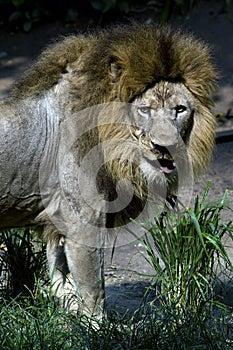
22	258
44	326
186	251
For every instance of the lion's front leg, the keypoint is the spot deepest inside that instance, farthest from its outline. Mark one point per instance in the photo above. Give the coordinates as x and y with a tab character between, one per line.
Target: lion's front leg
78	210
86	266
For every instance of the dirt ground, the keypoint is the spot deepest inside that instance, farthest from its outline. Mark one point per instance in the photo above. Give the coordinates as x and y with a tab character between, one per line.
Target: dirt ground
207	21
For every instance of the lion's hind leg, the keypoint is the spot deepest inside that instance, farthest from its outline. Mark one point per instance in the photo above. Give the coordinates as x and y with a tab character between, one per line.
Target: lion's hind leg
62	285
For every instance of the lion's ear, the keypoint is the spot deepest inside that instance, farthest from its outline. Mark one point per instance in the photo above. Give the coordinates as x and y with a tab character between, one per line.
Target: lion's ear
114	72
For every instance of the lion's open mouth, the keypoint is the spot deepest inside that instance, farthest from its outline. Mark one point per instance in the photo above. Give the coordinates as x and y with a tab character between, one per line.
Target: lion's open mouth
167	166
164	157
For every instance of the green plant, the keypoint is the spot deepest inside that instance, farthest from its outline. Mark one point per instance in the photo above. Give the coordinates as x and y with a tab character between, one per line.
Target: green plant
170	7
229	8
21	259
44	326
189	249
25	13
106	5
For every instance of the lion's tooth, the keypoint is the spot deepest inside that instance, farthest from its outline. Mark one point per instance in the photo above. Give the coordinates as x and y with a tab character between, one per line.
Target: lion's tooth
138	132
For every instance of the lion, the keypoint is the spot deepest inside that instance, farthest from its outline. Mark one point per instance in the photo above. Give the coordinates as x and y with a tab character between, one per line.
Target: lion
99	126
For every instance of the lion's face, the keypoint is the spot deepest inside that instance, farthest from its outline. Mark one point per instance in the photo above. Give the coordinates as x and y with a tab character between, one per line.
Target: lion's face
161	117
152	147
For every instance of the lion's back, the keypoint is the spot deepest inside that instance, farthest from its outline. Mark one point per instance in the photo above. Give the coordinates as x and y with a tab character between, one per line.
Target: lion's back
52	63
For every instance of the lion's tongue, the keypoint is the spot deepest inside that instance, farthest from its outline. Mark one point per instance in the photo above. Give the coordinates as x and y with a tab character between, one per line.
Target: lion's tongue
167	166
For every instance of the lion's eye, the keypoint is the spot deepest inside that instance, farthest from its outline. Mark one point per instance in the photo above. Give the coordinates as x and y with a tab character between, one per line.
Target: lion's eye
180	109
144	111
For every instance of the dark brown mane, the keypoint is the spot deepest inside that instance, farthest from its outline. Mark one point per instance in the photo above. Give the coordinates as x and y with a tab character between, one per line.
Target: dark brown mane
144	55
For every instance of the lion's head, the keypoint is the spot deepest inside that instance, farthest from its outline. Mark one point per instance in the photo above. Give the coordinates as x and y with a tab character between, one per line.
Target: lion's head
166	78
151	139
